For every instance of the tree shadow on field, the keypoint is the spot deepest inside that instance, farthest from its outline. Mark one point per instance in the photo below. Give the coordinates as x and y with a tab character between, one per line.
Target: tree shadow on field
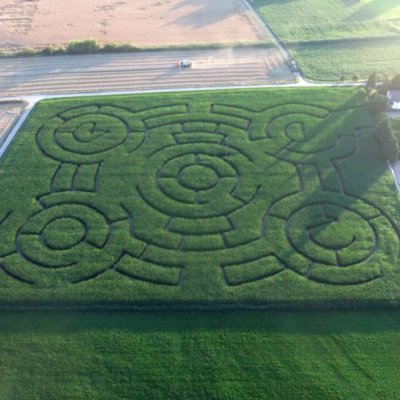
347	171
192	355
362	153
373	9
204	13
326	322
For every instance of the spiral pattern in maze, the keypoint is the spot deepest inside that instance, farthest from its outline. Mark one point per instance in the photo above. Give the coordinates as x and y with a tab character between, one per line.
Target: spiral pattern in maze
200	183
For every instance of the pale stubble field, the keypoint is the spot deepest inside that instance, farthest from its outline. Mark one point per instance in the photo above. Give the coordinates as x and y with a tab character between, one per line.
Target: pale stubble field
39	23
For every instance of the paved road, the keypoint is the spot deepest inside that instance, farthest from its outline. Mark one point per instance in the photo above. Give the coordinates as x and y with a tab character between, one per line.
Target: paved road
284	52
141	71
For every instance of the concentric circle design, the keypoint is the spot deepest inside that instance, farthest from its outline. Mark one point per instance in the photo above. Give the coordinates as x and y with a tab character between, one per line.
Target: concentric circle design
193	182
66	237
198	177
308	134
246	194
329	234
333	238
73	232
83	138
197	188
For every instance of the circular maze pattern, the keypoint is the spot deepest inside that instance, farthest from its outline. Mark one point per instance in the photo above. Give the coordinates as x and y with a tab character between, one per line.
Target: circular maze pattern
65	237
335	235
332	238
193	183
197	178
151	192
82	135
198	188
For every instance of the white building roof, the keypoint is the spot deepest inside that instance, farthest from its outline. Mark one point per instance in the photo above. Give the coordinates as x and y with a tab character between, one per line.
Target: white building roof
394	96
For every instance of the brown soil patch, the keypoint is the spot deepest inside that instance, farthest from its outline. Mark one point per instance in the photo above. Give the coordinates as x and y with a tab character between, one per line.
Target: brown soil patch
38	23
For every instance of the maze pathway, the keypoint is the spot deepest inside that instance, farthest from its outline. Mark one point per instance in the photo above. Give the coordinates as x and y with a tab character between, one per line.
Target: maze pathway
201	194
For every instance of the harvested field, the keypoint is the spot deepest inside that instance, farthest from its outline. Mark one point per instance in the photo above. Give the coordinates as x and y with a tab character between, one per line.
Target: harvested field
138	71
39	23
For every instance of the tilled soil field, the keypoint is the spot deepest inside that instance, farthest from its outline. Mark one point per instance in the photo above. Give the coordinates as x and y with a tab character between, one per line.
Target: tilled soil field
39	23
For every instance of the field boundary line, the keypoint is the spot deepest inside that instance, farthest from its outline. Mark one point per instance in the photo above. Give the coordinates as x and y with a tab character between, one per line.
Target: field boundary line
318	42
395	175
25	114
219	306
270	32
288	58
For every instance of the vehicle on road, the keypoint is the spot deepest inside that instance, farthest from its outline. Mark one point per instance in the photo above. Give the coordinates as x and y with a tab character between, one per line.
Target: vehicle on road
293	66
185	63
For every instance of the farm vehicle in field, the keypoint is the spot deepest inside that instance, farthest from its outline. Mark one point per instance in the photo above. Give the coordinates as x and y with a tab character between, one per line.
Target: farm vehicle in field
185	63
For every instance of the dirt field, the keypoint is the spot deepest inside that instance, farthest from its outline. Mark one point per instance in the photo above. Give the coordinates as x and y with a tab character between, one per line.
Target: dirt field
141	71
38	23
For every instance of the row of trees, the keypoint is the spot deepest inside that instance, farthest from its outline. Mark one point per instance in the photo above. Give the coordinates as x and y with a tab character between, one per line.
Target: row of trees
388	130
87	46
385	84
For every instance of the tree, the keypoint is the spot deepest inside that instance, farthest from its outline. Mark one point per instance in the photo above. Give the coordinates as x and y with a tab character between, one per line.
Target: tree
395	83
388	141
89	46
371	83
378	104
396	124
385	86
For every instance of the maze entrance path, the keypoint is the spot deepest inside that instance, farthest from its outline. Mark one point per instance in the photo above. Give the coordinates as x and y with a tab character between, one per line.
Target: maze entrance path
193	197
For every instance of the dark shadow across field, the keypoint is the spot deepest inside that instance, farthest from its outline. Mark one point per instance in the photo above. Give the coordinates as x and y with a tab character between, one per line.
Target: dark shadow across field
231	355
331	322
373	9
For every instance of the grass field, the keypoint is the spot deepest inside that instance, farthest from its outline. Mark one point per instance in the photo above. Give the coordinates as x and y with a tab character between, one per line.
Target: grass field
313	30
305	20
211	356
332	61
274	197
268	197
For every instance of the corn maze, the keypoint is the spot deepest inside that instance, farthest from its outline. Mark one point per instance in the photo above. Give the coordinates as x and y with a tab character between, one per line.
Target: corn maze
187	192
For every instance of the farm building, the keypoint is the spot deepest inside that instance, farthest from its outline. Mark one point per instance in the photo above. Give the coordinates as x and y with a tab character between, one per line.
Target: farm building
394	98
